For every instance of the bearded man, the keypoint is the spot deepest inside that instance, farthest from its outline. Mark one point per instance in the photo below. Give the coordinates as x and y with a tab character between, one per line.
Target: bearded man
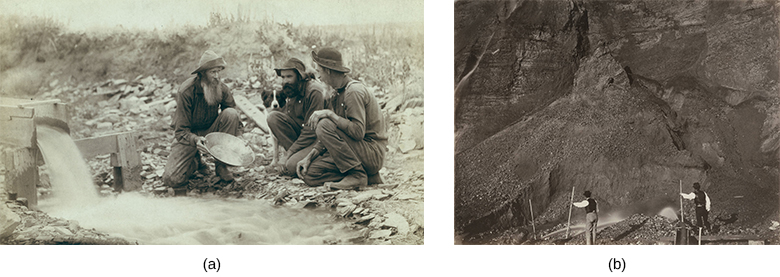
304	96
203	105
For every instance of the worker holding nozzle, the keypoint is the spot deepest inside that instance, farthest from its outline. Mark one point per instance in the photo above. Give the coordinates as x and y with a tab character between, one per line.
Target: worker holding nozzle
591	217
702	201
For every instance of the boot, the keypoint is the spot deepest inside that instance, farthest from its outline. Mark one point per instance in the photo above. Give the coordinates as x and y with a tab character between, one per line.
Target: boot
375	179
223	172
203	168
355	178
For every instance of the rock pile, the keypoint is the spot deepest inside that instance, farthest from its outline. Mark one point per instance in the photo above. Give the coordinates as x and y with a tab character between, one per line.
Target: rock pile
35	227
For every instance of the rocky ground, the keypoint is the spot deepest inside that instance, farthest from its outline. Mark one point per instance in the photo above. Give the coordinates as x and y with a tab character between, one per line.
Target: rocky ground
390	213
36	227
638	229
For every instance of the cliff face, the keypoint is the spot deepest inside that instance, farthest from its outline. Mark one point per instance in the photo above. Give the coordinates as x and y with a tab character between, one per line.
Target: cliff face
623	98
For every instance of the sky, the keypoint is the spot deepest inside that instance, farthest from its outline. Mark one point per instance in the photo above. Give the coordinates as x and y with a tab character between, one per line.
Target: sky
82	15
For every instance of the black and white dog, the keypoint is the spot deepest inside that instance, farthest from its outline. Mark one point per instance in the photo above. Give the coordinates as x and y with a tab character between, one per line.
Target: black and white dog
274	100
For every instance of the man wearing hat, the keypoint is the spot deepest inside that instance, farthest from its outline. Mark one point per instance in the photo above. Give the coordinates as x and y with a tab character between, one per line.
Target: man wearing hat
591	217
304	96
203	105
351	138
702	201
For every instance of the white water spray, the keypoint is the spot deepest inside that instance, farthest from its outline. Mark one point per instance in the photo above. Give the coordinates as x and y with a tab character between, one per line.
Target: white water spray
70	178
579	228
669	213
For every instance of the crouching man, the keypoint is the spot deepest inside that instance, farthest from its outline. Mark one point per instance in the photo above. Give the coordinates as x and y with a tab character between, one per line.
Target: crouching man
203	105
351	138
304	96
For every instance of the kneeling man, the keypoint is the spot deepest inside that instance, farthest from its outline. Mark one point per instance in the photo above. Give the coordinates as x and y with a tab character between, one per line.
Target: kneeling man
304	97
203	105
351	138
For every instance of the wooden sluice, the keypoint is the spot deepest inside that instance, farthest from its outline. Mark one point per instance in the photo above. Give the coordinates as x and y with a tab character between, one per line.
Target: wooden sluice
21	155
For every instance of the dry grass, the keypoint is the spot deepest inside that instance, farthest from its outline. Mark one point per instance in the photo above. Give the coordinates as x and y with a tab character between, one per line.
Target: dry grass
387	57
20	82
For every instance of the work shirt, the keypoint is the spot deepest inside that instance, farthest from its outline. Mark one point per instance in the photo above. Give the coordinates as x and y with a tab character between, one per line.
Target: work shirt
194	113
361	117
300	108
692	196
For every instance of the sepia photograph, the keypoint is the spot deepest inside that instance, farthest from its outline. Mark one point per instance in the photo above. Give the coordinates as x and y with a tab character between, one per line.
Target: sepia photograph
629	122
211	122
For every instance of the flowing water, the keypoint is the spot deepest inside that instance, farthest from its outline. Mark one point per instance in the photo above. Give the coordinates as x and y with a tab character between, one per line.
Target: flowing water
181	220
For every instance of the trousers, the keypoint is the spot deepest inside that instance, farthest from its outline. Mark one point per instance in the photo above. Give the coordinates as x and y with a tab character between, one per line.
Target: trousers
185	158
701	217
287	131
344	154
591	222
284	128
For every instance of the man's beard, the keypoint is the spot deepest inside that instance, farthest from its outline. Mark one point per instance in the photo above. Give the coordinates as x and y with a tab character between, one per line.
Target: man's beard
212	91
292	90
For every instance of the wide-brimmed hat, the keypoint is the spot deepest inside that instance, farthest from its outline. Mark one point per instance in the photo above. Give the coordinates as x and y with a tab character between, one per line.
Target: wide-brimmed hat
330	58
292	64
208	61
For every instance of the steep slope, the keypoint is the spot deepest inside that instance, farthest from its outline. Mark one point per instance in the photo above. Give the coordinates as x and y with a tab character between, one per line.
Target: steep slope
511	59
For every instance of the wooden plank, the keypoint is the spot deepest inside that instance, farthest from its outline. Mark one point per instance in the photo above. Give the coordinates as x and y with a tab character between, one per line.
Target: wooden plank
252	112
53	108
729	238
715	238
119	183
91	147
128	148
58	111
7	112
26	101
19	132
125	158
129	161
21	173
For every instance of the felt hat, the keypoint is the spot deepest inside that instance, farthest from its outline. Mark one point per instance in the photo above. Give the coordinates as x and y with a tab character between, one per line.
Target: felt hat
208	61
292	64
330	58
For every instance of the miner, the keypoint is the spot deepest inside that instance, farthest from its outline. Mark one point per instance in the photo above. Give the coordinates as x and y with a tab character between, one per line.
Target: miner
702	202
304	95
203	105
351	135
591	217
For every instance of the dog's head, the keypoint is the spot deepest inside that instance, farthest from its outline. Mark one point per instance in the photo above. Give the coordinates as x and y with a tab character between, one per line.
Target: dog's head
274	99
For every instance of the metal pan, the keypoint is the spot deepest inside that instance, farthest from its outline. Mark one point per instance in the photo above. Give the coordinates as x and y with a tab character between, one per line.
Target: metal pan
229	149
